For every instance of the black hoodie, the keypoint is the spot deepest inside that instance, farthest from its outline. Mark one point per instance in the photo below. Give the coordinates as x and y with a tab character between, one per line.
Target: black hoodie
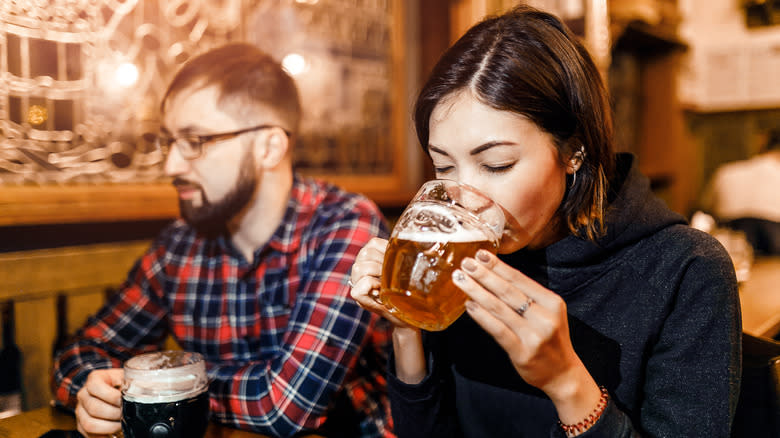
653	314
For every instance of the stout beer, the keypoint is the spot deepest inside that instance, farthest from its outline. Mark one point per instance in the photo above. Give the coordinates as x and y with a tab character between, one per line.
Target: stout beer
165	394
182	418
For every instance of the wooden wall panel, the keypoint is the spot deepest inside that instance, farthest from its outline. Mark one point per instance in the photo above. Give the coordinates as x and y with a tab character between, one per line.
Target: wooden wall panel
34	279
35	333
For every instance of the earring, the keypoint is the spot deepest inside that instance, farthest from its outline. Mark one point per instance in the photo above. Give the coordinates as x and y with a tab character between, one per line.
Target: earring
576	162
578	156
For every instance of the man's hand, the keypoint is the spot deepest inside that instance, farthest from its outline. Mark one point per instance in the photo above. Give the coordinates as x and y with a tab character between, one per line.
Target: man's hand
99	408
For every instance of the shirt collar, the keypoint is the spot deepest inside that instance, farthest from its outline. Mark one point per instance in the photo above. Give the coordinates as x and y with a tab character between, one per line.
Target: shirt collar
300	206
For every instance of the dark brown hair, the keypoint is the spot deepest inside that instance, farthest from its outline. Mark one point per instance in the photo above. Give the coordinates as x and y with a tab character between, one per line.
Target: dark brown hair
247	78
526	61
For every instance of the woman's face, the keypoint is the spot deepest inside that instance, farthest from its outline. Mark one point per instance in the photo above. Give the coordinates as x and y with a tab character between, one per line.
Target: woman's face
506	156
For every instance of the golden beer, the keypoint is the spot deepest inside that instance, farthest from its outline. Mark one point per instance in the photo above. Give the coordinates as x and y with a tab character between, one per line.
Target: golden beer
417	279
446	222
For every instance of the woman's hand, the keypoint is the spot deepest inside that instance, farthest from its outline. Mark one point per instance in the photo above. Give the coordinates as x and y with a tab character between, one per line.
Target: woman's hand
410	366
365	276
530	323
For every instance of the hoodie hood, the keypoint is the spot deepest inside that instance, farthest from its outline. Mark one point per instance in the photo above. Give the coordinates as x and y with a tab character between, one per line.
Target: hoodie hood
634	213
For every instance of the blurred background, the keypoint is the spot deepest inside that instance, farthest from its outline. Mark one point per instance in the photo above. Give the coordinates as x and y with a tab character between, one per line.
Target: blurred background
694	85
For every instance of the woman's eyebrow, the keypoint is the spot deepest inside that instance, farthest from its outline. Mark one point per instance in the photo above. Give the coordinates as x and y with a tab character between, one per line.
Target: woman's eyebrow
477	150
482	148
437	150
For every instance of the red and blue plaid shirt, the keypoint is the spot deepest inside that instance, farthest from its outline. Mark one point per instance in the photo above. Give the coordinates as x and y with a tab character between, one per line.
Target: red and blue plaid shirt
281	335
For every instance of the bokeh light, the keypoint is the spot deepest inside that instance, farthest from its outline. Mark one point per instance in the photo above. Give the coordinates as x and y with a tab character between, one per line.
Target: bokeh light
294	63
126	74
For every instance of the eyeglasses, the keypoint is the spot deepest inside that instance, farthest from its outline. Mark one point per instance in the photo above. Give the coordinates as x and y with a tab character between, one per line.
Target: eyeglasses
191	146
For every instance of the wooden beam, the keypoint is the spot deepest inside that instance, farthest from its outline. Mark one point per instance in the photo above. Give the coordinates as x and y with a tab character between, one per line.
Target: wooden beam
37	205
32	274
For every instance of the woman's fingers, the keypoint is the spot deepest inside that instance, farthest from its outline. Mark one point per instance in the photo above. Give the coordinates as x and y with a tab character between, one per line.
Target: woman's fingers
369	260
491	314
366	294
494	294
496	275
499	296
365	280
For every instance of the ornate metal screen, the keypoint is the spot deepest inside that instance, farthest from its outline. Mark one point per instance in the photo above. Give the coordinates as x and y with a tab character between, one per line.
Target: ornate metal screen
82	79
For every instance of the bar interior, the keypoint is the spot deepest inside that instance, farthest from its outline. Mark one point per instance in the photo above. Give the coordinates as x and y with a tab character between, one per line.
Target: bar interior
693	87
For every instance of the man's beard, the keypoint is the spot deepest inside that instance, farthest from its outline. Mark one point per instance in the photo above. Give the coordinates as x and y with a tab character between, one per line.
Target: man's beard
212	218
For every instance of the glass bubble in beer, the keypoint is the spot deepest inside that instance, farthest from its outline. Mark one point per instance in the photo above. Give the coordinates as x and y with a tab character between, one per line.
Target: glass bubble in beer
165	394
445	222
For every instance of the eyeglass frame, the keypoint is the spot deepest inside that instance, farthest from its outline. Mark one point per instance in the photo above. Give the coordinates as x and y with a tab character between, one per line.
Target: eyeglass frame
201	140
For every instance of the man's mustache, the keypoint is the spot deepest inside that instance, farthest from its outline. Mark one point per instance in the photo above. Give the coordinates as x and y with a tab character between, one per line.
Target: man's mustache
181	182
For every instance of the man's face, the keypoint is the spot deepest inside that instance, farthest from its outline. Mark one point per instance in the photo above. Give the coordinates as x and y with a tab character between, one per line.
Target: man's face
219	183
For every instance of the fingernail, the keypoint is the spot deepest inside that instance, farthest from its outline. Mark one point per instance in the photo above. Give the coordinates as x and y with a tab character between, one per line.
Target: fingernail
459	276
469	265
483	256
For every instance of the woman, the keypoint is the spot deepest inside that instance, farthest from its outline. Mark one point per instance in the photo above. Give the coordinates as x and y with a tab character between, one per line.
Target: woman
607	315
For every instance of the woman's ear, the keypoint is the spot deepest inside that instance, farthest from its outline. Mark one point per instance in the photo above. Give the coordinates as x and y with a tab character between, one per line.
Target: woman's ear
271	149
576	160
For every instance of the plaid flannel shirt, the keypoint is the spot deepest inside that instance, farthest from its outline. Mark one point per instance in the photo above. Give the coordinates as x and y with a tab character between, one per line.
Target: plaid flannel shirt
280	334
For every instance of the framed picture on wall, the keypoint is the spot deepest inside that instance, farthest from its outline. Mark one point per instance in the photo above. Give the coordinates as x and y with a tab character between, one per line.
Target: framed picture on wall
80	108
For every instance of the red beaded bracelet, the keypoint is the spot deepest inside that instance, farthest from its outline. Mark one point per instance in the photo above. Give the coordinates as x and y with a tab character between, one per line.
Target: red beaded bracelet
573	430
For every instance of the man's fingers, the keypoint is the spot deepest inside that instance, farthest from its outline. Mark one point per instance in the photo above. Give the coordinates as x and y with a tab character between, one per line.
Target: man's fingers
97	408
104	385
117	377
90	426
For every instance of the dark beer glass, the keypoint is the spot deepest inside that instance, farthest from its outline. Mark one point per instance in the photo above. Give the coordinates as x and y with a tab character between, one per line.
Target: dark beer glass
445	222
165	394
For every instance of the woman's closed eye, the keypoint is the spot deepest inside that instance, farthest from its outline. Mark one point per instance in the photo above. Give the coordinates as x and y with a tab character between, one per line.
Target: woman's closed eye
498	168
440	170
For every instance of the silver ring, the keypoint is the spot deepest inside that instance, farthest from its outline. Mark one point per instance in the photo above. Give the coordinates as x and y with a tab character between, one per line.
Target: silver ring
350	284
524	307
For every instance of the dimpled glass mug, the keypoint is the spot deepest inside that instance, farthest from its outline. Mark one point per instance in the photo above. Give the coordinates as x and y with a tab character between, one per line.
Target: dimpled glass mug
165	394
445	222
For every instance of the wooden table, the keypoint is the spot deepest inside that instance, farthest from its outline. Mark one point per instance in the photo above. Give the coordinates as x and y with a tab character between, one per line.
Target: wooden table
35	423
759	297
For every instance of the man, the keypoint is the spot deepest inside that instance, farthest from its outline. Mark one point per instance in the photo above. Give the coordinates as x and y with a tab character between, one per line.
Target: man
254	277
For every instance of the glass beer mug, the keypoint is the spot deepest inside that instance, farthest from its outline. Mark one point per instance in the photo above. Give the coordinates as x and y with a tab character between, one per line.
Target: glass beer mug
445	222
165	394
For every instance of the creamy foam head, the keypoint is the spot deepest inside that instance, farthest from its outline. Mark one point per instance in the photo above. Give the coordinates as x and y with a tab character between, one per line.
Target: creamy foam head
463	235
164	376
434	222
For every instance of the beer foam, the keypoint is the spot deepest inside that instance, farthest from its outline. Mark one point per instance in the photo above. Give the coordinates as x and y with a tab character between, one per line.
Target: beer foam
160	360
431	221
462	235
164	377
